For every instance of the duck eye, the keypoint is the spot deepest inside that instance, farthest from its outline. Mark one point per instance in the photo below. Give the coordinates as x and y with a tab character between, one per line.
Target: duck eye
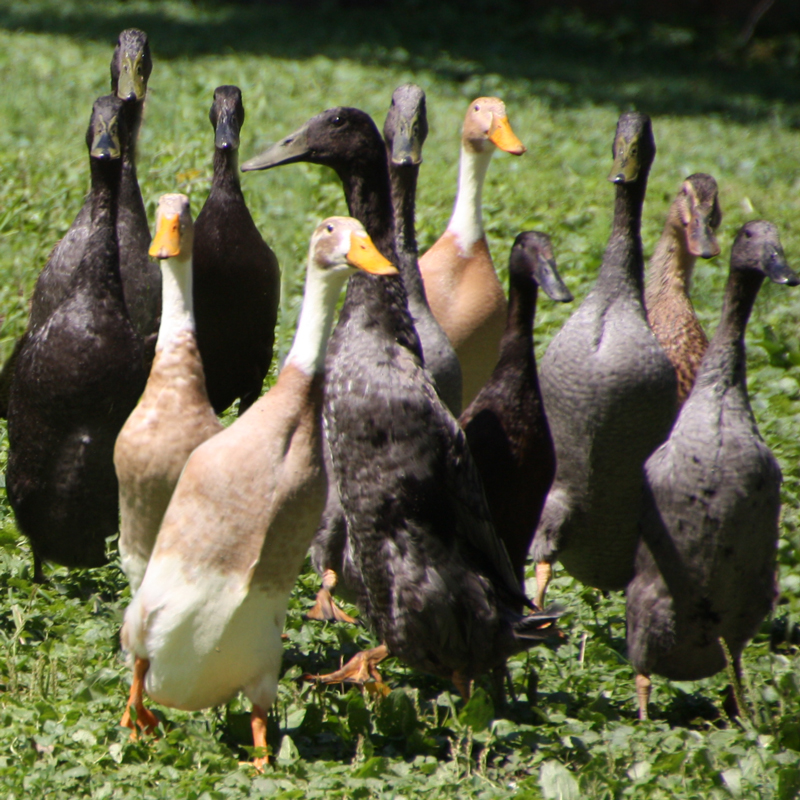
329	227
337	121
477	108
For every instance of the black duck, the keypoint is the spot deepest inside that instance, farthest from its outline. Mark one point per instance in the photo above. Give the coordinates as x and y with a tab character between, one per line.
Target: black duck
347	140
78	377
609	394
506	427
130	70
236	276
705	567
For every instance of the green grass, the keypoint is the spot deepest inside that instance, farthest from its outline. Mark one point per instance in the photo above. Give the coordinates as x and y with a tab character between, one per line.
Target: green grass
565	80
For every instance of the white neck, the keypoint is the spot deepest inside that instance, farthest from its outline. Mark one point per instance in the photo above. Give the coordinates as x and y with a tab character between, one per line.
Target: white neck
177	307
316	320
466	222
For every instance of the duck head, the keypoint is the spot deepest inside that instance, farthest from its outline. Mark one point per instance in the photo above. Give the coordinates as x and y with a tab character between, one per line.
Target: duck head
758	247
340	245
532	259
174	228
227	117
697	205
107	132
406	126
131	65
486	123
634	147
335	138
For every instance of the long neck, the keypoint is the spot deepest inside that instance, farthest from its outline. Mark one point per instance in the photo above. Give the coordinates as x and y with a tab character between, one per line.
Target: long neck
369	200
133	118
466	221
177	305
226	171
672	264
315	323
99	267
623	263
517	340
404	192
724	363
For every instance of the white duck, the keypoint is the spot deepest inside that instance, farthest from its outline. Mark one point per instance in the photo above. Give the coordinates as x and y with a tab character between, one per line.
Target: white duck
174	414
207	619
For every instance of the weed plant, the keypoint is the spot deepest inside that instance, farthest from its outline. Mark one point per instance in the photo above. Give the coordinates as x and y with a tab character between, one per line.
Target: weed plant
569	729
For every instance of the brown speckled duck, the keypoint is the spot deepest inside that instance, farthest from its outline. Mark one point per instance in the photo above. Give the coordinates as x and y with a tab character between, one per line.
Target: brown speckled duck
689	233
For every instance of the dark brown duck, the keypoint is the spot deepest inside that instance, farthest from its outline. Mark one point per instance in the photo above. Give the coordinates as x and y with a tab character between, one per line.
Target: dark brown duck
78	376
506	426
236	276
131	66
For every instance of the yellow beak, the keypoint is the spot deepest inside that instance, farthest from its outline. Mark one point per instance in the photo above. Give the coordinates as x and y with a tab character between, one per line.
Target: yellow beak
167	241
364	255
503	137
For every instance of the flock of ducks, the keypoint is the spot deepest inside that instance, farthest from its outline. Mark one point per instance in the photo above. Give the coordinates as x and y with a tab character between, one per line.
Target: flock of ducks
412	446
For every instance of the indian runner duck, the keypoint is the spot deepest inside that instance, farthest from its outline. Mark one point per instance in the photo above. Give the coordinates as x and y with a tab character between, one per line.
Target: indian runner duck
207	618
237	281
689	233
505	425
705	567
609	394
79	375
174	414
131	66
460	281
347	140
434	580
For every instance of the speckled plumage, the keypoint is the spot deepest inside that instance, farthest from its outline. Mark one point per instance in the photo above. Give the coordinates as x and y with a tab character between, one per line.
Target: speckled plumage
705	567
609	392
434	581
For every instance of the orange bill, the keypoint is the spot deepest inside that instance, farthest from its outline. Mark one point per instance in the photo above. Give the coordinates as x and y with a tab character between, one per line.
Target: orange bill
167	241
503	137
364	255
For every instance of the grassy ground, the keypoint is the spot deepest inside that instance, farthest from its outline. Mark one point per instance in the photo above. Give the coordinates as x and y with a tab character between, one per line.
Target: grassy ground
565	80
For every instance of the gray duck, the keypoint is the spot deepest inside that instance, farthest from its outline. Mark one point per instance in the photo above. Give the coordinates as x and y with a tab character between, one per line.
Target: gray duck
689	234
705	567
609	394
505	425
237	281
78	377
131	66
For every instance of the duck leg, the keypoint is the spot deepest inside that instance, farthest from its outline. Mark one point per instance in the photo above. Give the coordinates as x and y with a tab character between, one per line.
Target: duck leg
463	685
544	572
643	684
145	719
325	608
38	571
733	704
258	724
360	669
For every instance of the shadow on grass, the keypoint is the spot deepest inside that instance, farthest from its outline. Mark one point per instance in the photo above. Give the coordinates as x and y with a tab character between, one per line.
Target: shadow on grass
566	59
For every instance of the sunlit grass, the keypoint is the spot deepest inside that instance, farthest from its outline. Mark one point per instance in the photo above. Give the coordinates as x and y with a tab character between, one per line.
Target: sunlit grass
64	678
